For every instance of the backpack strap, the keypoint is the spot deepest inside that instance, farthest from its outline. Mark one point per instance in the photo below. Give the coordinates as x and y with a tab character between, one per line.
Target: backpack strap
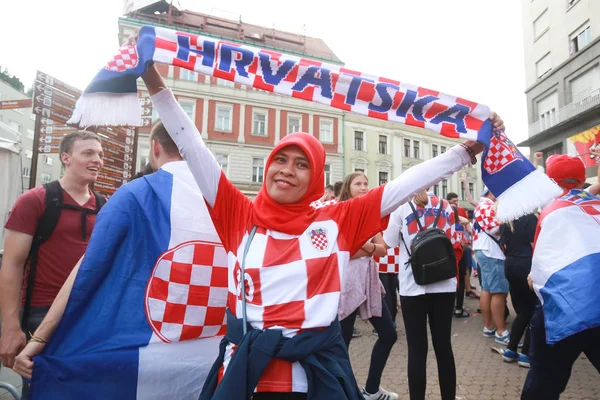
45	227
414	211
439	214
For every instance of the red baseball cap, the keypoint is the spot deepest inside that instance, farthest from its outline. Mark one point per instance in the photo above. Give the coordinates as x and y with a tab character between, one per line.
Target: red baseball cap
561	167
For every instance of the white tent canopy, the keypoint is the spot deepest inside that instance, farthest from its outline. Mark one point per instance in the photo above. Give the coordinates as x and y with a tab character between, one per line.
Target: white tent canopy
10	179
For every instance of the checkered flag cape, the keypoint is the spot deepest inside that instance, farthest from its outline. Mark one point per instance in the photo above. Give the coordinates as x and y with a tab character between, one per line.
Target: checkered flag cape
147	310
111	99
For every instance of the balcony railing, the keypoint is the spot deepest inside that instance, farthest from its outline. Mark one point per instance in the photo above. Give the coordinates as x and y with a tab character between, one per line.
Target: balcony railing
567	112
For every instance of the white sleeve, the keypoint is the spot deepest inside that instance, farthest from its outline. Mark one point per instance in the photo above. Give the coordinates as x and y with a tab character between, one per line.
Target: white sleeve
391	236
421	177
205	168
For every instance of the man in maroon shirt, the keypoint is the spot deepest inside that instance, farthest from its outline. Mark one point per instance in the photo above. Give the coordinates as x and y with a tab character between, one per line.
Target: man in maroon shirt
81	155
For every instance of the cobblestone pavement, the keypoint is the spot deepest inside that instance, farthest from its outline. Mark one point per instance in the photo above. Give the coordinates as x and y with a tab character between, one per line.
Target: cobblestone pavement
481	373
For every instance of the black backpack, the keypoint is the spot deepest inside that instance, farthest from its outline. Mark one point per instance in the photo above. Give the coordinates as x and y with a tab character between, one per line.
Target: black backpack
431	253
46	225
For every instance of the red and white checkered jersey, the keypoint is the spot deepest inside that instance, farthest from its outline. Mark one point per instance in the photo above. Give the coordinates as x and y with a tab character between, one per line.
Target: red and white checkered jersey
292	283
390	263
487	222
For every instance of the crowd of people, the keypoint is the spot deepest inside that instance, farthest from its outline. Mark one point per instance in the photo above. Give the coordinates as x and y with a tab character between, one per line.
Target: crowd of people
303	263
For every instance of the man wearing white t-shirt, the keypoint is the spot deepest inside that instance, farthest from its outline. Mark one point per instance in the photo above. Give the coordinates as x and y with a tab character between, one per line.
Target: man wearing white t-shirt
490	257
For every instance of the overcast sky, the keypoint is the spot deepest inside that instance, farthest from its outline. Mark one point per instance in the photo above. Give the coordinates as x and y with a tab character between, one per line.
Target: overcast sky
468	48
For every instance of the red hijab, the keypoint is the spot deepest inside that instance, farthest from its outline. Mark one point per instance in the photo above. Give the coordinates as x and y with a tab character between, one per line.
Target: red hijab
293	219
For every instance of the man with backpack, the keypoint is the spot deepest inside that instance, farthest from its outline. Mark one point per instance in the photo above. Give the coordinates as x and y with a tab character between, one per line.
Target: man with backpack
46	234
490	257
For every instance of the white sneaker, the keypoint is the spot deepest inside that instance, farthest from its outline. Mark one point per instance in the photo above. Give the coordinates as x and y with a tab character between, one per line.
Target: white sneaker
382	394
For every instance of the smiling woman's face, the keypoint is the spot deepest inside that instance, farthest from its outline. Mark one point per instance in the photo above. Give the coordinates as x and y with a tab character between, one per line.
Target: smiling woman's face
288	176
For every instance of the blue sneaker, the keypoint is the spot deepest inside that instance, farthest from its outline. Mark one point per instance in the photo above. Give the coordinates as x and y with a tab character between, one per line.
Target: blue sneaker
504	338
509	355
489	333
523	361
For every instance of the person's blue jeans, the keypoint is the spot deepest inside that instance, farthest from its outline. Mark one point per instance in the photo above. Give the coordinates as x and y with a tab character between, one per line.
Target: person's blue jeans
551	364
492	273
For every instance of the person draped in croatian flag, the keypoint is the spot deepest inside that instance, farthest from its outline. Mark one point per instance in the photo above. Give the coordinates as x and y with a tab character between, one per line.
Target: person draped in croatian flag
294	258
565	275
142	314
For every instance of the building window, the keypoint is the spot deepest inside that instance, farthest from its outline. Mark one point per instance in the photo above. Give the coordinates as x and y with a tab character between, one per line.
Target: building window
546	109
463	195
436	189
471	188
406	147
416	150
326	130
48	160
445	188
294	122
19	110
358	141
543	65
26	172
258	167
15	126
442	149
383	177
259	123
225	82
434	150
540	25
222	159
580	39
585	83
30	134
223	121
383	144
46	178
187	75
32	116
327	174
189	109
28	153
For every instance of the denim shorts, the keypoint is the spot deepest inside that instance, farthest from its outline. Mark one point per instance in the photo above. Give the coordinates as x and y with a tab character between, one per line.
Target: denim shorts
492	273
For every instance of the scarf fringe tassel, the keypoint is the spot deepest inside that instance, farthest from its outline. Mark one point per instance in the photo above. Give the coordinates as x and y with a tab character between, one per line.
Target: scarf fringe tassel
533	192
101	109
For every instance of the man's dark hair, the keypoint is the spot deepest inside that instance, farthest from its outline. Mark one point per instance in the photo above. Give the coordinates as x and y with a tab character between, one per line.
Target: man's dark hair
160	134
329	187
67	141
451	196
337	188
145	171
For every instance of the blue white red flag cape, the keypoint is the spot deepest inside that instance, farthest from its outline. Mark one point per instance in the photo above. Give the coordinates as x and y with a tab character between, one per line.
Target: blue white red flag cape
147	309
566	265
111	99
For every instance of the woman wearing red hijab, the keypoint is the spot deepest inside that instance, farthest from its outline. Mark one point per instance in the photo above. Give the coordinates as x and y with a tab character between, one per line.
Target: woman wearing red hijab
294	257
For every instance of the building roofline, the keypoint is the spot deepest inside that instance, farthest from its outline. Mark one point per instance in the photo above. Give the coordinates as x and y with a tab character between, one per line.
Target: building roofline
229	39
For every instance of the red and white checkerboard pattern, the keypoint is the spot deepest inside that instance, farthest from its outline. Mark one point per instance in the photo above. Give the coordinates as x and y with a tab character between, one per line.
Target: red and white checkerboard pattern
186	296
390	263
172	47
485	215
289	283
501	153
127	58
